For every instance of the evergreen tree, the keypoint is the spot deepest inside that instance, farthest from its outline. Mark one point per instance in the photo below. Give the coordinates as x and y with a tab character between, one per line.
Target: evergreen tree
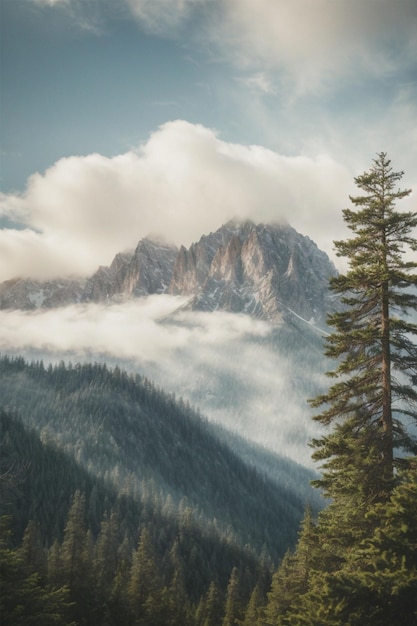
144	588
382	569
255	607
106	548
72	549
122	575
291	580
360	564
178	605
233	608
376	583
32	550
377	359
282	592
24	600
54	566
75	564
211	613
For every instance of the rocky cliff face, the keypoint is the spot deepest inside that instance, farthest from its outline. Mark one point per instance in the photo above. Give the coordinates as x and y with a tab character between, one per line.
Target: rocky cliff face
147	271
107	282
262	270
150	269
33	294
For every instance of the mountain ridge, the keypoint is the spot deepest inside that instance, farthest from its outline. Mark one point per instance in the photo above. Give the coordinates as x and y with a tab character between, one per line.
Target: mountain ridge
257	269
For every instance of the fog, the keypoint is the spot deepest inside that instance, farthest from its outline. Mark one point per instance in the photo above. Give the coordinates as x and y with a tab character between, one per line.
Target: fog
248	375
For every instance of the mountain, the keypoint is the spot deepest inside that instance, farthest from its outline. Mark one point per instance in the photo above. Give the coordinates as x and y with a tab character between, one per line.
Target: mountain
261	270
30	294
126	432
147	271
265	271
107	281
212	501
244	343
110	488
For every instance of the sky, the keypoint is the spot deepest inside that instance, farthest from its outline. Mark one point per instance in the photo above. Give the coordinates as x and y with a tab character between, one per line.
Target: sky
121	120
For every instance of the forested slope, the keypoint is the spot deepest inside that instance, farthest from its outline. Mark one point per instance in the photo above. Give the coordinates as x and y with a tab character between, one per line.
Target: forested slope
91	445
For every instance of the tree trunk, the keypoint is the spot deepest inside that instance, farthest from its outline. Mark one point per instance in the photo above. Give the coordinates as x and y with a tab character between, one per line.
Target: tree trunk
387	425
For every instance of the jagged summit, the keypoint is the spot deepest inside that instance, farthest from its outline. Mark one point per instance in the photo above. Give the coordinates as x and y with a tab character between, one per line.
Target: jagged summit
259	269
147	271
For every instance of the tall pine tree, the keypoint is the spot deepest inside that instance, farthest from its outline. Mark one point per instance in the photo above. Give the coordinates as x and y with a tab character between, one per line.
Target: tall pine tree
233	607
370	406
377	358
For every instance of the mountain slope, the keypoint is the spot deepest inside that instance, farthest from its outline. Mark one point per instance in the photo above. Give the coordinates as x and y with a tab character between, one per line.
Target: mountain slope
41	483
261	270
30	294
125	431
147	271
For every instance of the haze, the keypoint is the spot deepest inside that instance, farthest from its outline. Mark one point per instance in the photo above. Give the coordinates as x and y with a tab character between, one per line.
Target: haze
227	365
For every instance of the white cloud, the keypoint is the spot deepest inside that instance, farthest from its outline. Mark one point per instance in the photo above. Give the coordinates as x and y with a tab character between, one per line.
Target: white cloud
162	15
123	330
134	330
316	43
184	182
312	44
207	358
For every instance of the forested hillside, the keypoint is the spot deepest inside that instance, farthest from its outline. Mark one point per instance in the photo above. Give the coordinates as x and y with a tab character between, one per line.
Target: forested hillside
94	454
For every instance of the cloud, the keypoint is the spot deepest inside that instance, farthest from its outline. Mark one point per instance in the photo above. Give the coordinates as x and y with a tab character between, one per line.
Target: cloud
122	330
206	357
182	183
259	82
163	16
317	43
137	330
313	45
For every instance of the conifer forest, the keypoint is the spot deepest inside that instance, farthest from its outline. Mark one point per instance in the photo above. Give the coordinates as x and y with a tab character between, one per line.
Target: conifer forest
122	505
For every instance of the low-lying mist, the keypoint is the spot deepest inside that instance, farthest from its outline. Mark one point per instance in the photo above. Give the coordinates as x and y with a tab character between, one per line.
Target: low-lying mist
250	376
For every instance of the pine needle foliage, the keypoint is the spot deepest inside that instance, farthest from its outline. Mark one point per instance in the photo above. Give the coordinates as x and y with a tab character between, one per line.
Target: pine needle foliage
374	394
357	564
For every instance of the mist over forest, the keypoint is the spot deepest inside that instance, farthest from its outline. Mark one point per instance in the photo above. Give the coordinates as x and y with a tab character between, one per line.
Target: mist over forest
251	376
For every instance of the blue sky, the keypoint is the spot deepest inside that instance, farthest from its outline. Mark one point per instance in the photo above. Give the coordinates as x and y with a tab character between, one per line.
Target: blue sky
120	119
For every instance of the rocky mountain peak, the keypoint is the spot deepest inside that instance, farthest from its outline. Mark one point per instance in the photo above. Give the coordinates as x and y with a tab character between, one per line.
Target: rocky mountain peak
266	271
150	269
107	281
146	271
263	270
